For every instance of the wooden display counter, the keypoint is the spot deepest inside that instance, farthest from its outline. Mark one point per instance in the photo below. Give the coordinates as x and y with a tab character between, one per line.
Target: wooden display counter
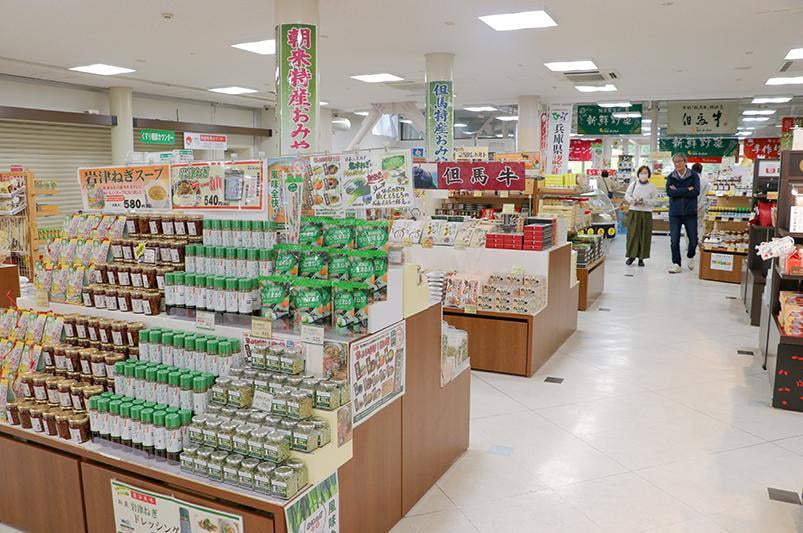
592	283
9	285
520	344
721	266
398	454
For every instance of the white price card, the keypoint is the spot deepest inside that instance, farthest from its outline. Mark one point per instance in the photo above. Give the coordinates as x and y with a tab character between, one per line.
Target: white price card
205	319
262	400
312	334
262	327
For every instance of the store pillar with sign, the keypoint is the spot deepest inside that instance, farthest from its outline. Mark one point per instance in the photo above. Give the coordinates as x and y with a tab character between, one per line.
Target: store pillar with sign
297	98
121	105
440	106
529	126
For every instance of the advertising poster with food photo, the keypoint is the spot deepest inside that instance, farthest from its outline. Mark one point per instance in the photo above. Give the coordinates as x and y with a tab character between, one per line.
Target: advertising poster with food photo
219	185
326	185
125	187
391	180
377	371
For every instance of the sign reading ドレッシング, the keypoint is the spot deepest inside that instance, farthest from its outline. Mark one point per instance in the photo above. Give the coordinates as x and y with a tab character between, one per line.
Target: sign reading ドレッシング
596	120
703	117
157	137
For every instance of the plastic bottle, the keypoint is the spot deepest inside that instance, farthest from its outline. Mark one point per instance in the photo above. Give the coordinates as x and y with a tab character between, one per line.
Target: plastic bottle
232	296
173	438
186	382
162	386
174	388
167	348
136	426
199	394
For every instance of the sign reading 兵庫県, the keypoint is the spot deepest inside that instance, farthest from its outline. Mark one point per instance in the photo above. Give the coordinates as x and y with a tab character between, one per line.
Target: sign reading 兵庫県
440	121
297	87
556	125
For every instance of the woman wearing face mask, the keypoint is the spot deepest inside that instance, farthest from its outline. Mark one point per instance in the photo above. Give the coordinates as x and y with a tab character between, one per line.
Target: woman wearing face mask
641	196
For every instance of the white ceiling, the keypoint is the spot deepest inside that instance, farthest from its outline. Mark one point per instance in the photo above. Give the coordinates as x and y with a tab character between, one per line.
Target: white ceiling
681	49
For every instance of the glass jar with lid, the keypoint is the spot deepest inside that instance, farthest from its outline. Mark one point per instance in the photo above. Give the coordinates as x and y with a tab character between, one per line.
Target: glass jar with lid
187	458
309	385
241	393
273	358
305	437
128	246
278	406
299	405
258	418
136	277
345	394
79	428
301	471
202	458
231	470
248	470
277	383
256	442
276	448
294	382
225	435
284	483
258	357
263	476
220	390
286	428
215	465
197	427
292	360
327	396
241	436
210	431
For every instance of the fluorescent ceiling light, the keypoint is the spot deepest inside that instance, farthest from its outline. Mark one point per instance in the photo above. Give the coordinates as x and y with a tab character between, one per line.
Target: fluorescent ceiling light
615	104
792	80
746	128
744	133
627	114
233	90
756	119
571	66
646	121
507	118
771	99
324	103
480	108
460	125
795	53
499	135
376	78
103	70
265	48
519	21
405	121
608	87
361	113
749	112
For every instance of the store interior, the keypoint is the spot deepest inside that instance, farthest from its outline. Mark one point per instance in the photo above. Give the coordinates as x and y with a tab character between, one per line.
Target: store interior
401	267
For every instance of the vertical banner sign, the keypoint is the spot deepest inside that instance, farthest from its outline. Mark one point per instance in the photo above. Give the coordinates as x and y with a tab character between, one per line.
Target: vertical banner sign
543	141
762	148
703	118
556	155
316	511
788	125
440	121
297	87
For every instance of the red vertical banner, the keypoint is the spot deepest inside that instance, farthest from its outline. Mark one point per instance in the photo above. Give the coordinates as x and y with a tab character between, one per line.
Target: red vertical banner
762	148
481	176
580	150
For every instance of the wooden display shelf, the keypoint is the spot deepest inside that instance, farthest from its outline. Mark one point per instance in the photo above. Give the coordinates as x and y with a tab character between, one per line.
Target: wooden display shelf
720	272
491	198
592	283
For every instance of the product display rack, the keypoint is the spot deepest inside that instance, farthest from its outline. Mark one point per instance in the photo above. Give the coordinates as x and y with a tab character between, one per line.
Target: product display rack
19	222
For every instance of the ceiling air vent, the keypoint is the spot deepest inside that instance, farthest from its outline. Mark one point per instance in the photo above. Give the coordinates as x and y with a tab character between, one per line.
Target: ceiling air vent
410	86
785	66
592	76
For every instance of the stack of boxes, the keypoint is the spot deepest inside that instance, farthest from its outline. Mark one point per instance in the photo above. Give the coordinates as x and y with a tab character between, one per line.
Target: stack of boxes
506	241
537	237
589	249
513	293
791	316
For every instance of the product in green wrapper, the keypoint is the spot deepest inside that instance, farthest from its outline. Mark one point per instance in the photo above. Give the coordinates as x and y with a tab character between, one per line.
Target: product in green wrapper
314	263
350	307
338	233
339	264
276	298
288	257
311	302
311	231
380	286
371	234
361	266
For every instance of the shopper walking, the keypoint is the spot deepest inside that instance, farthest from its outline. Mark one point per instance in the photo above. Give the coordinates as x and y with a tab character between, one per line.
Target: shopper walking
640	196
702	200
683	189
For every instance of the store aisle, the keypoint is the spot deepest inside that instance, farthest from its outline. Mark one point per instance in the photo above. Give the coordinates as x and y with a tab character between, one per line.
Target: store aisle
658	426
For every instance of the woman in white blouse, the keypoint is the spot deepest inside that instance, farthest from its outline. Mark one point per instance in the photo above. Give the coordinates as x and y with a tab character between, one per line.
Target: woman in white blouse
641	196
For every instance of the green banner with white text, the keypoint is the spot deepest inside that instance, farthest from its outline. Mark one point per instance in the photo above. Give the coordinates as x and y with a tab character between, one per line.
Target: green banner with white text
596	120
440	121
297	87
701	149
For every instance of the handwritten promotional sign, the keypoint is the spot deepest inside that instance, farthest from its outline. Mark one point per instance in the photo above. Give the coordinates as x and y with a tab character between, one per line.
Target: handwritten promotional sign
762	148
218	185
703	117
440	120
297	87
391	180
481	176
126	187
470	153
377	371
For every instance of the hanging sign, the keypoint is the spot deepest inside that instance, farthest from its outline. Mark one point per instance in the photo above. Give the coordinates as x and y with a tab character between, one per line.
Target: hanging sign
703	117
440	120
597	172
531	160
377	371
580	150
229	185
762	148
297	87
788	125
157	136
596	120
377	179
128	187
205	141
470	153
482	176
555	147
326	186
317	510
701	149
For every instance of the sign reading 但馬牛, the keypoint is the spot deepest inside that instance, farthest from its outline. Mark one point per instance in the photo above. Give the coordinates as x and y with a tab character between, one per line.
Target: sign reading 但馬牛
703	117
480	176
122	188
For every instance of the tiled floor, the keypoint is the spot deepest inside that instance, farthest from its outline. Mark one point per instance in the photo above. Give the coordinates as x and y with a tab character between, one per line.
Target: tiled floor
659	425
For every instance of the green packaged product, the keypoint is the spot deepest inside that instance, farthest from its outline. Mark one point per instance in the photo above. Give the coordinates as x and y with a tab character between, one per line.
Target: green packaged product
311	302
338	233
314	263
371	234
361	266
276	298
350	307
288	257
380	287
311	231
339	264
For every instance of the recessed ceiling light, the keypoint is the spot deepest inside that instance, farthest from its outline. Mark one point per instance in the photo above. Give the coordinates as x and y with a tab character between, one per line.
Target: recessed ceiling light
480	108
103	70
571	66
627	114
361	113
460	125
324	103
376	78
615	104
507	118
265	48
748	112
794	53
405	121
519	21
233	90
771	99
791	80
756	119
608	87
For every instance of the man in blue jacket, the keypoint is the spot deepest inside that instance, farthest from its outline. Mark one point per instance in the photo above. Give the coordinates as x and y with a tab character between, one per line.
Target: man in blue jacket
683	188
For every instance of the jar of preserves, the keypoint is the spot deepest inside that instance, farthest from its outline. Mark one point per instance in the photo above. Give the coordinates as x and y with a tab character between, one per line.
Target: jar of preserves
86	296
77	396
124	300
168	229
98	362
63	425
263	477
149	277
194	225
24	409
49	418
128	247
160	276
65	398
132	333
155	224
39	387
132	224
81	323
136	301
151	302
143	224
283	483
69	326
98	296
215	465
231	470
52	386
111	299
37	422
119	333
180	225
124	276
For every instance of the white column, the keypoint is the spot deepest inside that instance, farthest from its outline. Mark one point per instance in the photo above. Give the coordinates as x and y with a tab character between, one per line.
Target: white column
528	130
325	130
269	145
302	11
607	149
121	106
439	67
654	127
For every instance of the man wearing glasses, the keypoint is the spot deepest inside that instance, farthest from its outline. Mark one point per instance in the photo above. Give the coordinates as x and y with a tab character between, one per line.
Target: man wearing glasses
683	188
